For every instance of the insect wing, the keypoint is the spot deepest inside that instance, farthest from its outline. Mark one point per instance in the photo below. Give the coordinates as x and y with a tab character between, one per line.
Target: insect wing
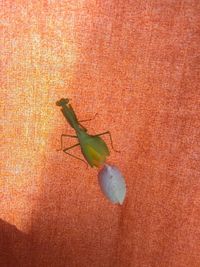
95	151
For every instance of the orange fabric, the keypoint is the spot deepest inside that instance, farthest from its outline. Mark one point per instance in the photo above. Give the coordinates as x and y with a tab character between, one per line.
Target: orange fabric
135	63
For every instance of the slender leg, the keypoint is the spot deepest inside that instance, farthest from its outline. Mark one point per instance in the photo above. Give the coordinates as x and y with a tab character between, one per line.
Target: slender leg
108	132
89	119
61	140
68	148
85	121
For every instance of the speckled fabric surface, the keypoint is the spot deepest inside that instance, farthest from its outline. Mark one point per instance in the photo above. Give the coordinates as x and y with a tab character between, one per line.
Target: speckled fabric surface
136	64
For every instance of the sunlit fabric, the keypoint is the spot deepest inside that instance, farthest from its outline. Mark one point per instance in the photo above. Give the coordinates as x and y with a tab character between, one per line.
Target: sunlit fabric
136	65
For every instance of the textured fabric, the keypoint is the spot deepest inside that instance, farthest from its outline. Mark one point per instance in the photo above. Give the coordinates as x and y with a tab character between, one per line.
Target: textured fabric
136	64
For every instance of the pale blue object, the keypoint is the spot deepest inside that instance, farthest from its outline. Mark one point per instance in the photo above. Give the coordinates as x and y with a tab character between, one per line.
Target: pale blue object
112	183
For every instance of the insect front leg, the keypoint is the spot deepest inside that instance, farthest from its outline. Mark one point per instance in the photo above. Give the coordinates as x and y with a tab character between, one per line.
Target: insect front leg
108	132
61	140
68	148
89	119
80	122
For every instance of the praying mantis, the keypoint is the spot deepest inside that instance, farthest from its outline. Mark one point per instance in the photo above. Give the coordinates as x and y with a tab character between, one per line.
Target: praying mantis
93	147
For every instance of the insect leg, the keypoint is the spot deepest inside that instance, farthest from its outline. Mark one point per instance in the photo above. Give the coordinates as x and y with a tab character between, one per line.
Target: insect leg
88	119
80	122
108	132
68	148
61	140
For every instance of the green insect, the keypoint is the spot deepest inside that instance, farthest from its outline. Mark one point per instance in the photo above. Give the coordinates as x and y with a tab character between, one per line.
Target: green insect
93	147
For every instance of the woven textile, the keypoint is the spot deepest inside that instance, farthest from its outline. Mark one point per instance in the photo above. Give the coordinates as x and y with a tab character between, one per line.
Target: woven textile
135	64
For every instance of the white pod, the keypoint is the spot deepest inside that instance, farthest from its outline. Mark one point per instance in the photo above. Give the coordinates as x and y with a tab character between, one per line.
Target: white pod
112	183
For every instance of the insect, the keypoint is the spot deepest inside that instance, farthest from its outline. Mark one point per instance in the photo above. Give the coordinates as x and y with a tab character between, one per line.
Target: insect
93	147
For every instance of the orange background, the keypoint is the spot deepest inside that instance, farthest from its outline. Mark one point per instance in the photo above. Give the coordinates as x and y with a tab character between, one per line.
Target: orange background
135	63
